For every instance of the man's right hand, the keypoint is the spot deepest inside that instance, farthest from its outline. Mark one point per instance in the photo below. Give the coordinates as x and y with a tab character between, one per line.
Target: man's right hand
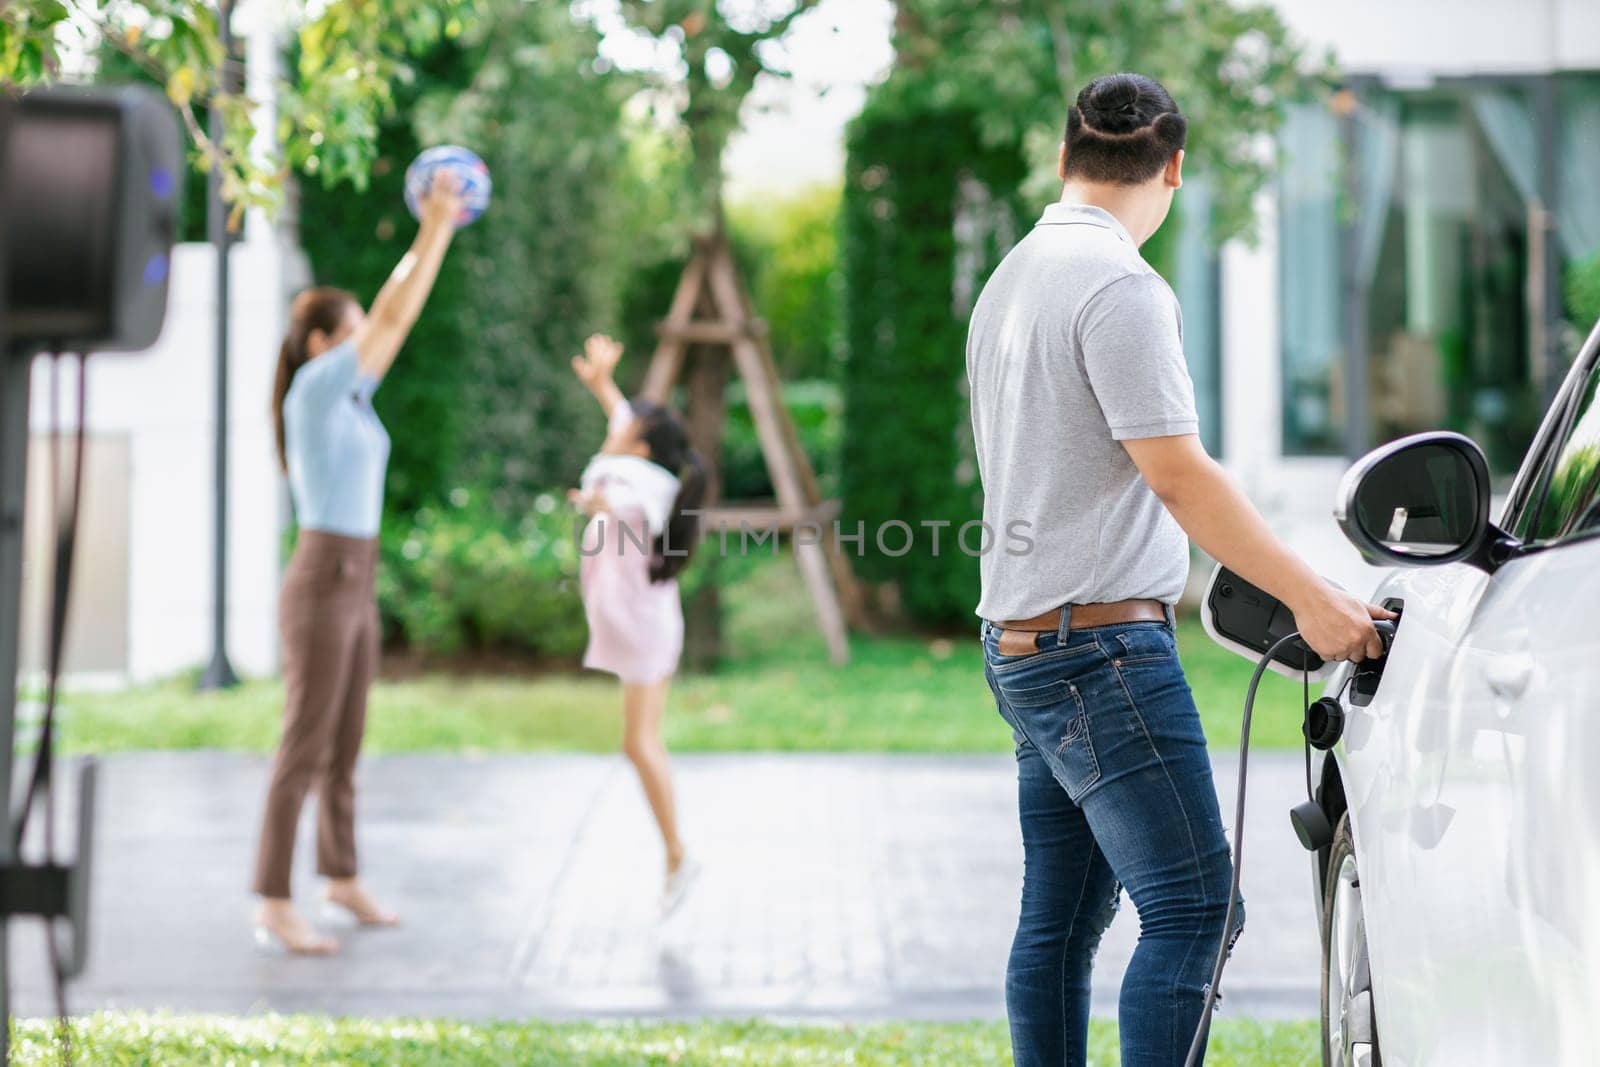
1337	625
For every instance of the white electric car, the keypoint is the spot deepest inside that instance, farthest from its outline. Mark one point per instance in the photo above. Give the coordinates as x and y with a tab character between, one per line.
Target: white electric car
1460	896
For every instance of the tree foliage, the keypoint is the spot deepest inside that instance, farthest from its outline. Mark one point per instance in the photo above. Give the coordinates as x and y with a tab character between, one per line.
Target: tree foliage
713	52
788	248
1015	65
113	67
353	60
350	57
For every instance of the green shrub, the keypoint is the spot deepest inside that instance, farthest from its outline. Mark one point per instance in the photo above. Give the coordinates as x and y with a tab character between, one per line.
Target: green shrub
460	577
907	451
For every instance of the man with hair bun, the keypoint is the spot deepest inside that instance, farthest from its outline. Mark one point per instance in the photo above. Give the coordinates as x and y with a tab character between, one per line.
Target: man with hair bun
1084	419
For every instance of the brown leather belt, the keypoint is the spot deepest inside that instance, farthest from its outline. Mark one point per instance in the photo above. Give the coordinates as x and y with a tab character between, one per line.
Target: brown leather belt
1087	615
1021	635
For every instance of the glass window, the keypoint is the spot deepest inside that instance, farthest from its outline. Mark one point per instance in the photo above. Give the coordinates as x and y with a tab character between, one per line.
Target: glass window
1570	500
1578	221
1405	239
1308	281
1447	323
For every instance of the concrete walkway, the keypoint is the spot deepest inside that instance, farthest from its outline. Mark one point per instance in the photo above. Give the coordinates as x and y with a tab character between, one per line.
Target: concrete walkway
835	886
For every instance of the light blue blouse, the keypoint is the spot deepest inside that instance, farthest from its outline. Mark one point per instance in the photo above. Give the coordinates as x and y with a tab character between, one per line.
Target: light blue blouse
338	450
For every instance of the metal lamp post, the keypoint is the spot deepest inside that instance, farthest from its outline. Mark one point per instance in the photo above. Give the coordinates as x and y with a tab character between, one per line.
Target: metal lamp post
219	672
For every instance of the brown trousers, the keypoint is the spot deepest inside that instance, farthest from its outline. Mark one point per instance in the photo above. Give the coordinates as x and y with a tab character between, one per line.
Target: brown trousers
328	626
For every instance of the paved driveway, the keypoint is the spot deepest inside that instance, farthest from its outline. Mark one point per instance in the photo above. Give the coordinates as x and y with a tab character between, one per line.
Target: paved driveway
835	886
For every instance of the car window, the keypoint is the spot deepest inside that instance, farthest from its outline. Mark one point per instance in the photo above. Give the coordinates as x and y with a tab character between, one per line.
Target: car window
1566	499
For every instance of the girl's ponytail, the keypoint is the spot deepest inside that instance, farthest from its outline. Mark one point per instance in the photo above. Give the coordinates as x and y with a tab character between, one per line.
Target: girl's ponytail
677	542
668	439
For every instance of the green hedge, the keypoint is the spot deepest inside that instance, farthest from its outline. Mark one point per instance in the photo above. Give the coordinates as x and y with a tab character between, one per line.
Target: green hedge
459	577
907	446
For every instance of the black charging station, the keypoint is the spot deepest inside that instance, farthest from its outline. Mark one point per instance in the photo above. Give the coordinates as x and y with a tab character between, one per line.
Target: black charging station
89	189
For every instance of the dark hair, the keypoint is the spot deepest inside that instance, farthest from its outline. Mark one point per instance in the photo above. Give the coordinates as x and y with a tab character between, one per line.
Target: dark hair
1123	130
322	308
668	440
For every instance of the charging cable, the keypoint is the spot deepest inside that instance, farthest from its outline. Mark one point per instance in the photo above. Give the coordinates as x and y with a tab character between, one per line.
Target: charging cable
40	782
1385	630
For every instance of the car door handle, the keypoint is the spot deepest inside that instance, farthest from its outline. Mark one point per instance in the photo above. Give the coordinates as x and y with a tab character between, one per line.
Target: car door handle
1508	676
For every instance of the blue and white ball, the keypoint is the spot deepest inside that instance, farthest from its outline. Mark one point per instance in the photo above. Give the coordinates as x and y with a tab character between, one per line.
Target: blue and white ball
469	170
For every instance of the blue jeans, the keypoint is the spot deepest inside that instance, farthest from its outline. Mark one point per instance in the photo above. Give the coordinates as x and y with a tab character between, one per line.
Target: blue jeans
1114	789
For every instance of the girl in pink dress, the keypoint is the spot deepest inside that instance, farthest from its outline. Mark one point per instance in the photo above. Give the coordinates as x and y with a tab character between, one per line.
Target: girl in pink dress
641	492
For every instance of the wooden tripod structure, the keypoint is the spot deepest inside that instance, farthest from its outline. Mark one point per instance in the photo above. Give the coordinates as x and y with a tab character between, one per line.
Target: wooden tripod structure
711	320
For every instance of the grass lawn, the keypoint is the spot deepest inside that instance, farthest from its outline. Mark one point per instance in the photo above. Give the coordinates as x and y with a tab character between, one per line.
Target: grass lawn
114	1039
777	692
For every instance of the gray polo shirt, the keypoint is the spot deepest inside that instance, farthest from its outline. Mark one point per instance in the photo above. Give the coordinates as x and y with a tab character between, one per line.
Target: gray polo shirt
1075	345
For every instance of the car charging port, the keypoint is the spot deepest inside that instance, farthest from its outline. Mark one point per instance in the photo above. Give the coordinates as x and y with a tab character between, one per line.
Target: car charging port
1368	673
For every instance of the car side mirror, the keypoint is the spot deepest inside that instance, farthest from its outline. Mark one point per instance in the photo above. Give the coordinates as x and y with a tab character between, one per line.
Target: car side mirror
1422	501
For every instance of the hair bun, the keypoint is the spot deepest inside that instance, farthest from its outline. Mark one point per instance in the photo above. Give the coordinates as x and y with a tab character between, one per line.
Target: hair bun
1123	129
1111	104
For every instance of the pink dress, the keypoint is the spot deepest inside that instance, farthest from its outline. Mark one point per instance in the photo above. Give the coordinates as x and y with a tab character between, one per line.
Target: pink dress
635	624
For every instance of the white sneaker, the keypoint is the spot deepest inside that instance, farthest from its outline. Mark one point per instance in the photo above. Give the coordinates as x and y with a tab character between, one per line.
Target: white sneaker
677	885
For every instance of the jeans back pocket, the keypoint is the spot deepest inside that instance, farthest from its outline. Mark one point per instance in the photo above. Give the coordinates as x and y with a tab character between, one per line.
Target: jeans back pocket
1052	716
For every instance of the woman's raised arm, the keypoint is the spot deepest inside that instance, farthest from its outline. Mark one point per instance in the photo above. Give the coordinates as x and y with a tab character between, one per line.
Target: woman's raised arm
396	307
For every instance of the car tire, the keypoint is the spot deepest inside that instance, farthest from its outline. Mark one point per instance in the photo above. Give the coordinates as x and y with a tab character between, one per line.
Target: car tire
1349	1016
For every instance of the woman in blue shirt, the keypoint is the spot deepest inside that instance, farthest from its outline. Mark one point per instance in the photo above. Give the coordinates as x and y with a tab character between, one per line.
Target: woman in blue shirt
335	452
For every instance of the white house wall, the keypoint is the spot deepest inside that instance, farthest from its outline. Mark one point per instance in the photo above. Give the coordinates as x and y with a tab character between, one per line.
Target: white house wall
1403	38
162	400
